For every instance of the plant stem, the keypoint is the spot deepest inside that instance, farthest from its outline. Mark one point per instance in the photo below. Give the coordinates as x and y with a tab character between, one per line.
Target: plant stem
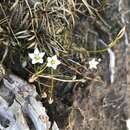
36	75
52	83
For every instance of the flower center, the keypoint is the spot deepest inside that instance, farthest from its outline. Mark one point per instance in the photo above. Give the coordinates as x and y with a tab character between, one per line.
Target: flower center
53	62
37	57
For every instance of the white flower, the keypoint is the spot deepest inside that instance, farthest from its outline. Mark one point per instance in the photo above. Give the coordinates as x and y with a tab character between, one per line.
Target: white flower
50	101
37	56
53	62
93	64
128	124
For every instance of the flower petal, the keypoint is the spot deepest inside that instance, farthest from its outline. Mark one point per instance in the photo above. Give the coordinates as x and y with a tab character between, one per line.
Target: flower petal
93	60
36	51
49	64
90	67
31	55
50	101
58	62
54	66
49	59
40	61
95	67
34	61
41	54
54	57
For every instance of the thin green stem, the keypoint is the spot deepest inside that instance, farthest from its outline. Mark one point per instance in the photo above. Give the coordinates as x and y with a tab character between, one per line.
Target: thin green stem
52	83
39	72
36	75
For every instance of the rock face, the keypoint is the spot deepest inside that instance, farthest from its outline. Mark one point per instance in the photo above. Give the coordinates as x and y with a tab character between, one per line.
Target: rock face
106	106
19	109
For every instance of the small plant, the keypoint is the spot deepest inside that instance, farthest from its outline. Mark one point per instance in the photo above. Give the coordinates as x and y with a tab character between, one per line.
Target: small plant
52	62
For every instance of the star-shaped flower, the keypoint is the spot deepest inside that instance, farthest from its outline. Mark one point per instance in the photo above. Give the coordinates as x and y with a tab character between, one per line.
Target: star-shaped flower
37	56
93	64
53	62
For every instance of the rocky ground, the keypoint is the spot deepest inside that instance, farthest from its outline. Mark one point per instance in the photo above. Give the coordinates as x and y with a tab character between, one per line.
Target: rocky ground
100	103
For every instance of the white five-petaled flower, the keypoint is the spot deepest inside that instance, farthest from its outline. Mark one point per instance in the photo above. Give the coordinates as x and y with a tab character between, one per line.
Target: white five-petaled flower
53	62
93	64
37	56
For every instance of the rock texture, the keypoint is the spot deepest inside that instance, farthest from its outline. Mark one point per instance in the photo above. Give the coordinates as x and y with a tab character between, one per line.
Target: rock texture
19	109
106	106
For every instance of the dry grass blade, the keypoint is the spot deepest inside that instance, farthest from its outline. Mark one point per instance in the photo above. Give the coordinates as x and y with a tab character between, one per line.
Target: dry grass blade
121	33
90	8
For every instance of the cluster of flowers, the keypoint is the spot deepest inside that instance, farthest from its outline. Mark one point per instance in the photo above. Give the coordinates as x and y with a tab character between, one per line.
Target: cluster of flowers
53	62
37	57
